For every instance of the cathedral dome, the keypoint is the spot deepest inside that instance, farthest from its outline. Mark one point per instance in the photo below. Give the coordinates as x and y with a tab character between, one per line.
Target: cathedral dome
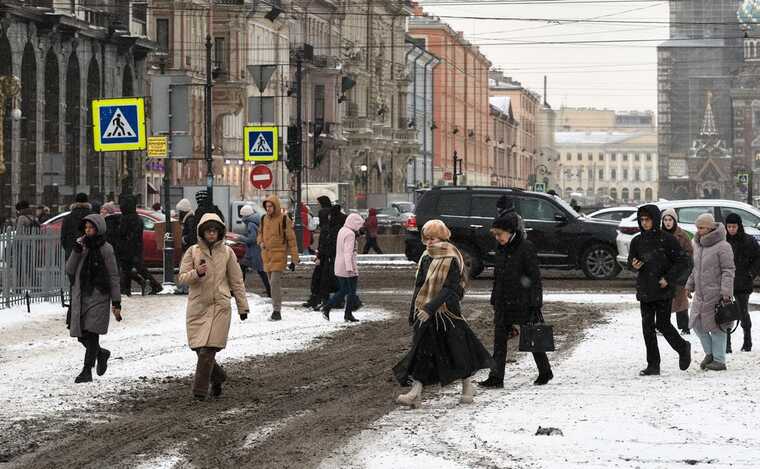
749	13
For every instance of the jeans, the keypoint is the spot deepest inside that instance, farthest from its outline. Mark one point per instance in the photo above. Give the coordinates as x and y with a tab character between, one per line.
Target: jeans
655	316
682	320
371	243
713	342
501	334
346	288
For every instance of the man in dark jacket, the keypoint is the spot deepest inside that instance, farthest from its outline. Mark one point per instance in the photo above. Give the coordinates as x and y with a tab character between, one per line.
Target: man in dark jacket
315	299
72	223
747	261
517	296
661	264
131	248
189	235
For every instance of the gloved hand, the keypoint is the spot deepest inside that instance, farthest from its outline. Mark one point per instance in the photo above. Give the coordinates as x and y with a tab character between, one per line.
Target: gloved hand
292	266
244	316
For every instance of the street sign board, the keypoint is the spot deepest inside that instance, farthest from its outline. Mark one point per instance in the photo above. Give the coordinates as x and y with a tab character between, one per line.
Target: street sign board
158	147
539	187
261	176
260	143
118	124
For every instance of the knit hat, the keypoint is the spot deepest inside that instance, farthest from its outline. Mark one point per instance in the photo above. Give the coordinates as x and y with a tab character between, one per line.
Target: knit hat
80	198
734	218
669	212
436	229
109	208
201	196
246	211
706	220
184	206
22	205
506	222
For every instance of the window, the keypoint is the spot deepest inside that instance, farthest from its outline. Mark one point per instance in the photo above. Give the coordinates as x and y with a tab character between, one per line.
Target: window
637	194
648	194
613	156
601	174
590	157
636	157
537	209
162	33
649	157
590	174
601	156
580	157
624	194
637	175
613	192
748	219
456	204
613	174
625	174
148	224
484	206
319	103
690	214
569	156
220	54
625	156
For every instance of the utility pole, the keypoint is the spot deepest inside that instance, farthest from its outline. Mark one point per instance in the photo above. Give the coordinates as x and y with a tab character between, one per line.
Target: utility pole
299	150
209	85
168	233
456	171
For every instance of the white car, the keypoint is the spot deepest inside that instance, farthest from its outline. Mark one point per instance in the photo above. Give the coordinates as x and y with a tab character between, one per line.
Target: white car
688	211
612	213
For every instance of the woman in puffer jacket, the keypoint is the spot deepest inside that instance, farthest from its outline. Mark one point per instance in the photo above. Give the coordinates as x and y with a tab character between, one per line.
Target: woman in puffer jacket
711	281
680	303
346	268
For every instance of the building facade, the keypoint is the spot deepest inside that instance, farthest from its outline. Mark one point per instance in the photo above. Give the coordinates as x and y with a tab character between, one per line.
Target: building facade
66	54
699	60
502	143
421	65
462	111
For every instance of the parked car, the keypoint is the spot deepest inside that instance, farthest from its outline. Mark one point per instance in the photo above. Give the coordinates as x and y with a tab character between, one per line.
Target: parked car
688	211
153	256
612	213
563	238
406	211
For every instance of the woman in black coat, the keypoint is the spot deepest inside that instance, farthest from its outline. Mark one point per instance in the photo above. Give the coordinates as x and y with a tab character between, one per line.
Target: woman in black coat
444	348
517	296
747	261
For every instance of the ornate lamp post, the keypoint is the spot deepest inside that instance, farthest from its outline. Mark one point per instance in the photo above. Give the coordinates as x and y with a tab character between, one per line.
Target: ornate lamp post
10	87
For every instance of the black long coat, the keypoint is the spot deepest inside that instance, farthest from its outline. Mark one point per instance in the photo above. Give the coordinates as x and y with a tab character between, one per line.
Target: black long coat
517	291
746	259
662	256
130	232
451	293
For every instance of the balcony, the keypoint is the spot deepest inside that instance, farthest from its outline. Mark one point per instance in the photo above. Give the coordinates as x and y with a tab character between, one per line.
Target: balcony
229	2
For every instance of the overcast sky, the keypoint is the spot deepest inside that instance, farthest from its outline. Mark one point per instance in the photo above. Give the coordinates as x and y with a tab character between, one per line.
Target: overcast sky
621	76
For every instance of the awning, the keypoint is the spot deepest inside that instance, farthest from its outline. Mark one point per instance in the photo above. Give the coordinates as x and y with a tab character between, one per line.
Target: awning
152	189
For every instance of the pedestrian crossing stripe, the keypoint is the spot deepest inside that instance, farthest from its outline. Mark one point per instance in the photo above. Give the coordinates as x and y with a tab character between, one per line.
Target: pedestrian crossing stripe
260	143
118	124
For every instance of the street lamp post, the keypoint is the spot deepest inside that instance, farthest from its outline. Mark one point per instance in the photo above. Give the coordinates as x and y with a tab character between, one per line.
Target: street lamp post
364	168
10	87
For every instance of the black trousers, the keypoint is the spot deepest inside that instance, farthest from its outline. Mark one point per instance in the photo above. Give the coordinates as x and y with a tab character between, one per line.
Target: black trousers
682	320
262	276
371	243
742	301
501	336
91	343
655	316
136	270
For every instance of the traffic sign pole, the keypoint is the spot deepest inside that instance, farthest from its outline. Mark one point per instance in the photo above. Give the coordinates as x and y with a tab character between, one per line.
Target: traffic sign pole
168	238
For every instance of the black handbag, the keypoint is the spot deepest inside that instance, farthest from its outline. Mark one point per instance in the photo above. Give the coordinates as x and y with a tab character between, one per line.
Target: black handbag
536	337
726	313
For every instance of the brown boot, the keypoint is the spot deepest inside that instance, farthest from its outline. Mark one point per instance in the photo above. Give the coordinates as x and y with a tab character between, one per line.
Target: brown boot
203	371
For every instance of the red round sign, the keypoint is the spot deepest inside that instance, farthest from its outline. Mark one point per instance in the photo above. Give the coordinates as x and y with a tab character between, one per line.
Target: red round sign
261	176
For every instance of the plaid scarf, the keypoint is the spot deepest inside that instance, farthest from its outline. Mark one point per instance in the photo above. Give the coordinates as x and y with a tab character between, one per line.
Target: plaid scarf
443	254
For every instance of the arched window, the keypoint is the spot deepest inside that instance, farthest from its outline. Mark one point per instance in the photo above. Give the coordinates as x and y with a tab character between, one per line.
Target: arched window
613	193
637	194
568	193
624	194
648	194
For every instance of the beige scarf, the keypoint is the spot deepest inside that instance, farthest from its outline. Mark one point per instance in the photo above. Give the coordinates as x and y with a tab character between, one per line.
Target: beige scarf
443	254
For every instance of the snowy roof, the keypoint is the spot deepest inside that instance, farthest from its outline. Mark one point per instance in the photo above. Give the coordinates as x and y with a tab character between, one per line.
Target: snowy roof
501	103
591	138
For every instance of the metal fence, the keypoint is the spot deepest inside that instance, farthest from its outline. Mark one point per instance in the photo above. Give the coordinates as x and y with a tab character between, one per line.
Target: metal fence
32	267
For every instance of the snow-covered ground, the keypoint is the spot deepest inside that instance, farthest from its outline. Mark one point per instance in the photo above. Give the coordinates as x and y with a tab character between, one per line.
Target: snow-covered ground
609	415
38	359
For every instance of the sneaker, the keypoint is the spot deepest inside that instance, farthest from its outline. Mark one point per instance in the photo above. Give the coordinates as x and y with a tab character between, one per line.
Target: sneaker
706	361
650	371
716	366
684	358
543	378
492	382
102	366
275	316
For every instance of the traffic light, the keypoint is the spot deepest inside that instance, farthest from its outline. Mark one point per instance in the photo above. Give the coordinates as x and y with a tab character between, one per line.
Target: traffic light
293	161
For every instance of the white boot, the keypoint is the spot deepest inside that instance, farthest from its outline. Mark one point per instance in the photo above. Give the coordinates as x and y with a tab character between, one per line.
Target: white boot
468	392
412	398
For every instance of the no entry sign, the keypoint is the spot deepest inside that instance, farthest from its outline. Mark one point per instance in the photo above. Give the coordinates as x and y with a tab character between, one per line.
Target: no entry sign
261	176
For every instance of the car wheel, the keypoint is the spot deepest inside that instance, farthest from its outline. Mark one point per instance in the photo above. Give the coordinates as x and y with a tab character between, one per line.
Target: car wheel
472	262
599	262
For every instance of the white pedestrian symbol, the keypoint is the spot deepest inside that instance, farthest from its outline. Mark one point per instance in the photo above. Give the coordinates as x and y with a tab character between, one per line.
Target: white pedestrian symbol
119	126
261	145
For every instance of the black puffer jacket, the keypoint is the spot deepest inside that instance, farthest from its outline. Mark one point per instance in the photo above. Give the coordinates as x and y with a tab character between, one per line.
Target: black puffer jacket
112	232
324	223
451	293
662	256
746	256
517	290
70	230
130	231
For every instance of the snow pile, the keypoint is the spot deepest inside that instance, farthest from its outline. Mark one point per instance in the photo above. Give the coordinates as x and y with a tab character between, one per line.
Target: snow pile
39	360
610	417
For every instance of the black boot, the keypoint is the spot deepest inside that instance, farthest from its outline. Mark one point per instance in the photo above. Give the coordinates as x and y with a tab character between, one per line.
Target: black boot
218	377
728	344
326	312
102	366
85	376
544	378
650	371
747	346
684	358
275	316
492	382
349	317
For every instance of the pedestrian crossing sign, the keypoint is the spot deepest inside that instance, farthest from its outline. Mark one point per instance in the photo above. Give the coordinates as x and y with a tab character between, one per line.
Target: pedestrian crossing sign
260	143
118	124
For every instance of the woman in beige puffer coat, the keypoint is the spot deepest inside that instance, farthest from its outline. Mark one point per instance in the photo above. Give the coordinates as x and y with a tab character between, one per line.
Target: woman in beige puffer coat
212	271
711	281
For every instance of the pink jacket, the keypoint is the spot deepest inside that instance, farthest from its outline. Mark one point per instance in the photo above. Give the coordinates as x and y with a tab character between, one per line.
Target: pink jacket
345	252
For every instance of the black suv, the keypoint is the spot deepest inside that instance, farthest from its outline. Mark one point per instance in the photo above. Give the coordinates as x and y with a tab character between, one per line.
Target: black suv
563	238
